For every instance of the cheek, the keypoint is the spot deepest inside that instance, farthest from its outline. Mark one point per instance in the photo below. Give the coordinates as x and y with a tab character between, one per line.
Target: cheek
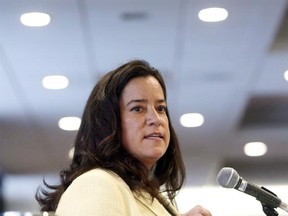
167	130
130	124
124	132
127	125
128	132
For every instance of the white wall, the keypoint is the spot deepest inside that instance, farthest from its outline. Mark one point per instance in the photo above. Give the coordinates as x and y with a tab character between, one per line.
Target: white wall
227	202
19	191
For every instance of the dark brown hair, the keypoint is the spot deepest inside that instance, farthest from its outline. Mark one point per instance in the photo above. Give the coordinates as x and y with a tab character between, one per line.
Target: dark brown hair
98	142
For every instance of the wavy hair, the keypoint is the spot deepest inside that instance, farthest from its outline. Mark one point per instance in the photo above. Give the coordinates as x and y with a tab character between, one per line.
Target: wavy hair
98	143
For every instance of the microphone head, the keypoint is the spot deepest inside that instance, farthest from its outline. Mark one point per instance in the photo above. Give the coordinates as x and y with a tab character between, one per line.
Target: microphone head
228	177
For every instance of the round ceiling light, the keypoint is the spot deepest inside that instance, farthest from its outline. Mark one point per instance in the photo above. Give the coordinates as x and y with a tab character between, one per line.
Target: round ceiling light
255	149
55	82
69	123
192	120
35	19
213	14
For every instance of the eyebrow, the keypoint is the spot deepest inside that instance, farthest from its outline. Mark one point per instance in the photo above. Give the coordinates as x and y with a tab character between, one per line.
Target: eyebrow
144	100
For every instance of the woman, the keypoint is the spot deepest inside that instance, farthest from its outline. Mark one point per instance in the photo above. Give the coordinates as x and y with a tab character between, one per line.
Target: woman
126	151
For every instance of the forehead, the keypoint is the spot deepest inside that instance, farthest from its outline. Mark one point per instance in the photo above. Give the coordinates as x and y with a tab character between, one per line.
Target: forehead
143	87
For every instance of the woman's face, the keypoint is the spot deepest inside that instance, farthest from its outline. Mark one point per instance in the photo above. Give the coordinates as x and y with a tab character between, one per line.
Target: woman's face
144	123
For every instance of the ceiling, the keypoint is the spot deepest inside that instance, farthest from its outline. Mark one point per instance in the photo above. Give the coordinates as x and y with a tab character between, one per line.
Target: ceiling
230	71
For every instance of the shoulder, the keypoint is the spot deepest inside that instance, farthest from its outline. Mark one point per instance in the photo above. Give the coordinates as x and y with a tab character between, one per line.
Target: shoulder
100	174
100	180
97	190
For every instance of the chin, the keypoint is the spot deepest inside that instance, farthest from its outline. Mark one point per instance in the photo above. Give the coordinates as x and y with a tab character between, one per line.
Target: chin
157	155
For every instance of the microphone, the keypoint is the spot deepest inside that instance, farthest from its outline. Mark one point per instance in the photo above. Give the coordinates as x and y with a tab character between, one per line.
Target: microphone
229	178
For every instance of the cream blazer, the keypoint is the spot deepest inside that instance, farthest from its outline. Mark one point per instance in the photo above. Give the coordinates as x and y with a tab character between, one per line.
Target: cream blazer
100	192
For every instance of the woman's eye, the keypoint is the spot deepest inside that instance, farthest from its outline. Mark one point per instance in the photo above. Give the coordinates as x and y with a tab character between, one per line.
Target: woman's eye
162	108
136	109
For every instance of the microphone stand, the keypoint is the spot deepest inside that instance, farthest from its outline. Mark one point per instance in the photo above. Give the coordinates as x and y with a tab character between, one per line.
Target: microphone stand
268	209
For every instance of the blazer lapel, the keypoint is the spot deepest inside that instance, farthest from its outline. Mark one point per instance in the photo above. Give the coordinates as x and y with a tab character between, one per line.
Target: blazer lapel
157	206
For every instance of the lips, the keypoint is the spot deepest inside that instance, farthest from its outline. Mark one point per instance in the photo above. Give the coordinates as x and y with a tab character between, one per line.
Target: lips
154	135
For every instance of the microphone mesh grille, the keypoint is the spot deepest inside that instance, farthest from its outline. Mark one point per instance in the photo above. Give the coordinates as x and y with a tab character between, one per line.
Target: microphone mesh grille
228	177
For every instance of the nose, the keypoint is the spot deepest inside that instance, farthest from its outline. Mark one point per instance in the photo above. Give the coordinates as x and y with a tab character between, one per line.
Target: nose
153	118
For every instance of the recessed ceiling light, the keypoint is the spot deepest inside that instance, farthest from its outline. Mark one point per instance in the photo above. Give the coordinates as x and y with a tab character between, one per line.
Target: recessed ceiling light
55	82
69	123
71	153
192	120
35	19
255	149
213	14
286	75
